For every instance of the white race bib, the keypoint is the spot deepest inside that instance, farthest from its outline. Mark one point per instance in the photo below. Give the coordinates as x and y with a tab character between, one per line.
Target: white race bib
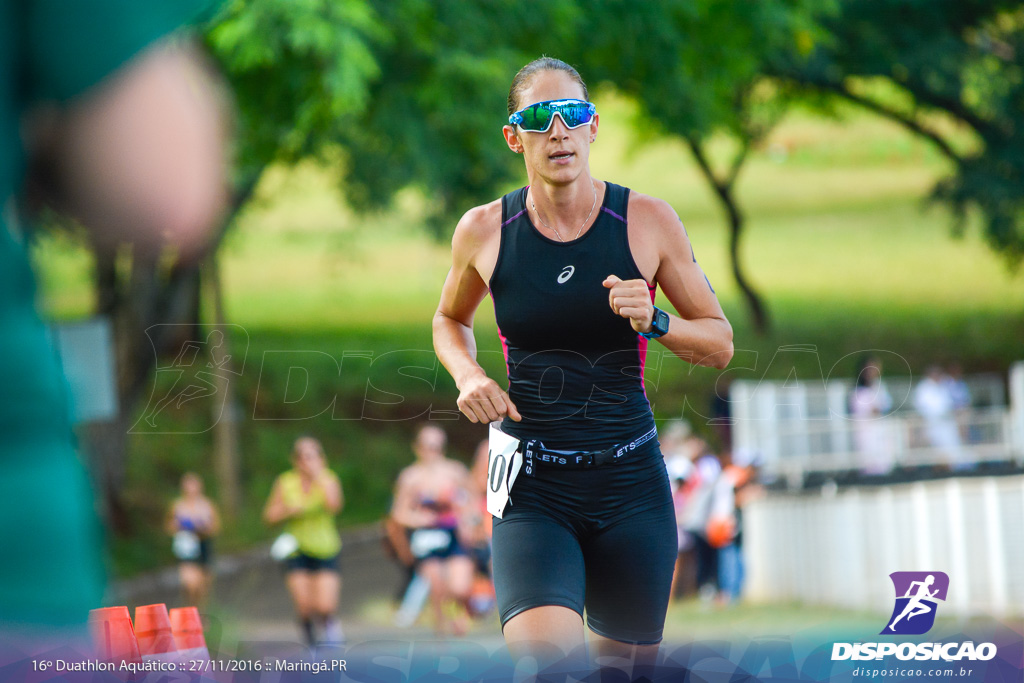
503	464
422	542
186	546
284	546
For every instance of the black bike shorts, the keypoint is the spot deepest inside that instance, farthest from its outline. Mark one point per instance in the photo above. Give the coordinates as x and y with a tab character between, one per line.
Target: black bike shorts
603	539
308	563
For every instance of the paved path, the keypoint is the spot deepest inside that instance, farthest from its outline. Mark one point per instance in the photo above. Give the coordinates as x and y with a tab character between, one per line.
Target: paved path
250	603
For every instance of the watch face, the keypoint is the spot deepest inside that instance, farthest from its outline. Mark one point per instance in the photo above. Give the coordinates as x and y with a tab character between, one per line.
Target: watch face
660	322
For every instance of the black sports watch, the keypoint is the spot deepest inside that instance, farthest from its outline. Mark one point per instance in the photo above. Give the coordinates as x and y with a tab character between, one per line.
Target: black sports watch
659	325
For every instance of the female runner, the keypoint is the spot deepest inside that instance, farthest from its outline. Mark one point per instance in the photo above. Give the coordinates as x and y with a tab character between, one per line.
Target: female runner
572	263
193	521
307	498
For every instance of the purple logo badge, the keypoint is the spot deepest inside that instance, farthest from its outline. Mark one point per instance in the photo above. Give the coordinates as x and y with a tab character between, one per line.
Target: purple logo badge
917	594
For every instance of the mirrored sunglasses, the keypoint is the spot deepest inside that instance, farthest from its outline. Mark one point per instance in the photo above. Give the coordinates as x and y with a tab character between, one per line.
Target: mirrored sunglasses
538	117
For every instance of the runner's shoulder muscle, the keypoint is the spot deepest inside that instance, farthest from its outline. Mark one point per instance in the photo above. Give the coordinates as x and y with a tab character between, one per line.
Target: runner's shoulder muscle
475	243
652	223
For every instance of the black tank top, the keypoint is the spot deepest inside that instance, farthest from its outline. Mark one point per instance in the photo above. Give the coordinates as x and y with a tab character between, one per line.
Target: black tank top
575	369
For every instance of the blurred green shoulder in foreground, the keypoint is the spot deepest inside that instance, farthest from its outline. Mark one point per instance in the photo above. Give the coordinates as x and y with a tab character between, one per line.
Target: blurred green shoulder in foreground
103	120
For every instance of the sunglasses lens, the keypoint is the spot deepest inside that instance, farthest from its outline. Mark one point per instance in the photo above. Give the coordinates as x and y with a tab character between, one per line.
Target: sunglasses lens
575	114
537	117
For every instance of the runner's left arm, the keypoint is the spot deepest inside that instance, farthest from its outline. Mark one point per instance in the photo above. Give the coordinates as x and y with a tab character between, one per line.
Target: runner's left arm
700	333
214	527
334	497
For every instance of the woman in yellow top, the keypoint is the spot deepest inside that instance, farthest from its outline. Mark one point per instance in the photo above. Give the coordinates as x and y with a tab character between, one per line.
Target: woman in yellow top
306	498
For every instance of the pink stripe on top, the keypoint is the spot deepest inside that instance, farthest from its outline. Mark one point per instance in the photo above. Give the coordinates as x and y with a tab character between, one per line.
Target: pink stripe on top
641	347
505	343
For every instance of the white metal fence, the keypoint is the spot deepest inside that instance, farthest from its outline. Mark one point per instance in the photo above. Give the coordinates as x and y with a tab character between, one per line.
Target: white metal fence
838	548
802	427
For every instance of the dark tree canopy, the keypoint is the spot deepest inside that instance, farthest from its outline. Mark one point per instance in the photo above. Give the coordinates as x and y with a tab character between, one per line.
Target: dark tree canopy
411	93
962	58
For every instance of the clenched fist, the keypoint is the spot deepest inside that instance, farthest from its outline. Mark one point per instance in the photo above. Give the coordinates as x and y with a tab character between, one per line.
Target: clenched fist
631	299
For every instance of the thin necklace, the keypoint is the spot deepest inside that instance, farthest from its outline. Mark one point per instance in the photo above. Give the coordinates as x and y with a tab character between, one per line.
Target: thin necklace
594	188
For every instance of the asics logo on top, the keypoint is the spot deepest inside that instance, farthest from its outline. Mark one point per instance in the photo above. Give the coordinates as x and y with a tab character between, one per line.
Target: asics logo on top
566	274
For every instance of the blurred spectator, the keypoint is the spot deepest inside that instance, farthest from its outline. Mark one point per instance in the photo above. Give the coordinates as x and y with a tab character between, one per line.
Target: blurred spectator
193	521
721	412
674	440
935	403
736	486
477	535
961	395
432	499
869	403
957	387
126	134
697	513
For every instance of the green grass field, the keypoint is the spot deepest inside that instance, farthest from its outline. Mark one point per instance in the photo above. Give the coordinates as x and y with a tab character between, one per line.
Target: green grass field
840	242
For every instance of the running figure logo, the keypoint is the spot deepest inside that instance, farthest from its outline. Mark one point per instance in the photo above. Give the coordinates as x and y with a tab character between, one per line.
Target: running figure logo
200	371
916	596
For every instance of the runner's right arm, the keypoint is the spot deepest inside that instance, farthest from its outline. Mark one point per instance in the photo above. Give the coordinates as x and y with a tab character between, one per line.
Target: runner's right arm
405	511
481	399
276	509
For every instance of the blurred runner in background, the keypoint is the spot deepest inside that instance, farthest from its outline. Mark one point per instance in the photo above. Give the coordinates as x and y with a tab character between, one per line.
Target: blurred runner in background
193	521
307	498
432	499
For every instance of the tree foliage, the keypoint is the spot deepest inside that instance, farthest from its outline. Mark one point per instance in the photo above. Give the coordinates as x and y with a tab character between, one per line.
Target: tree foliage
695	70
300	71
961	58
406	92
435	120
424	99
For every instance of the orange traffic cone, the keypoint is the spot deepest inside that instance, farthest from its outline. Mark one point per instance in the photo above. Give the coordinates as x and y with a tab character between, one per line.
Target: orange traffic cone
188	633
113	636
153	629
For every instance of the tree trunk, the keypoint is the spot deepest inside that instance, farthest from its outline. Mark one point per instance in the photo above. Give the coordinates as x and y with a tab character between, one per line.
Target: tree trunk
736	222
148	298
153	311
723	190
225	428
106	439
